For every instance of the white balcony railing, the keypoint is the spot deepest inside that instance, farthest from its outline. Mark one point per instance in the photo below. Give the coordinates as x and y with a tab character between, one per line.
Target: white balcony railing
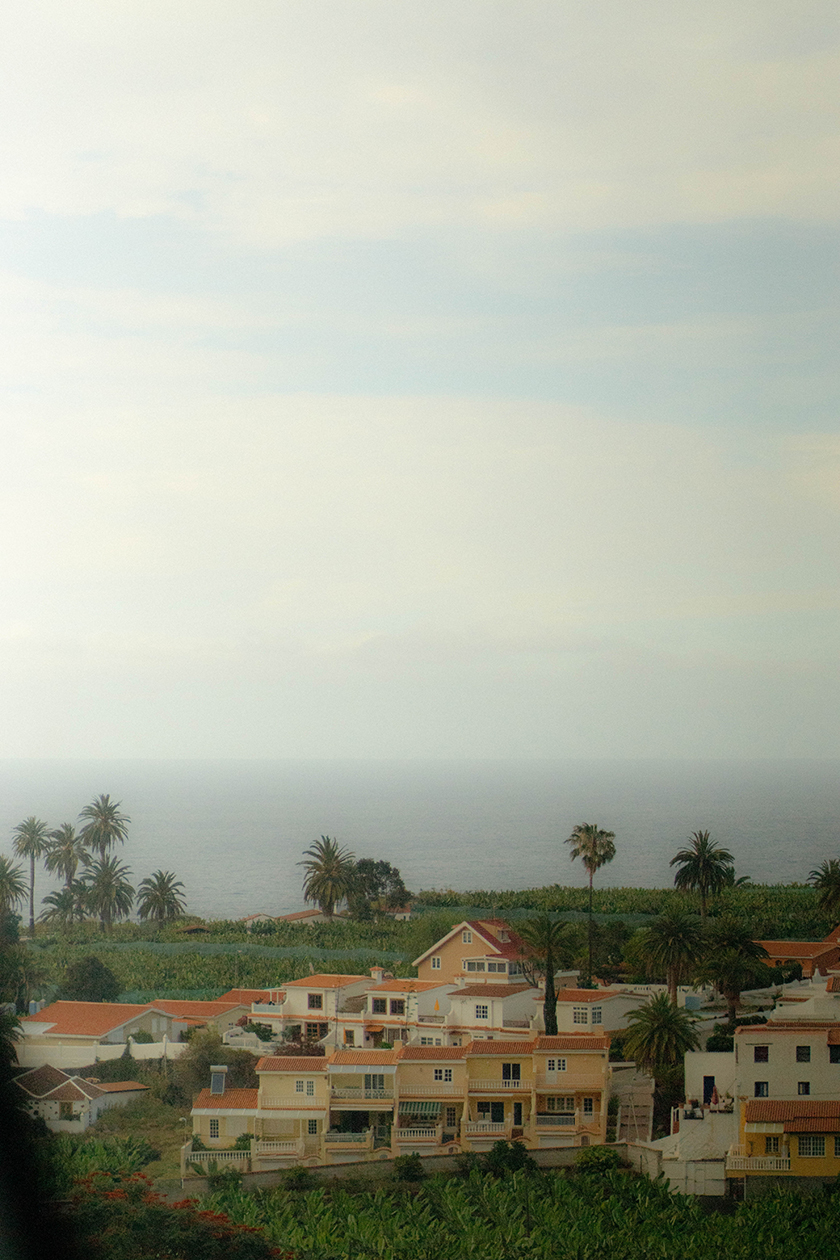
220	1157
358	1091
757	1163
475	1128
452	1088
268	1149
496	1087
516	1023
569	1083
348	1139
419	1135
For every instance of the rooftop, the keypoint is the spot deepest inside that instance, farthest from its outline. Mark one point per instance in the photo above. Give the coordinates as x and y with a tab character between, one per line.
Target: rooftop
230	1100
87	1019
292	1063
323	981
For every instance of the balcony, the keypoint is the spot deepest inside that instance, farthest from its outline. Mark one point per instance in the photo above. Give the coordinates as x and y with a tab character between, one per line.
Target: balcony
570	1083
431	1019
758	1163
497	1087
347	1093
349	1139
558	1120
268	1149
516	1023
451	1089
225	1159
485	1128
427	1135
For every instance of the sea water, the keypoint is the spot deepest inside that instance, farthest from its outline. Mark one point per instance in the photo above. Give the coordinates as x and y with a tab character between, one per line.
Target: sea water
234	831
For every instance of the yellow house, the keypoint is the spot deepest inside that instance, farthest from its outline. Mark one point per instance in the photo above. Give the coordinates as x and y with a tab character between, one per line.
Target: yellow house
571	1090
784	1141
432	1099
484	949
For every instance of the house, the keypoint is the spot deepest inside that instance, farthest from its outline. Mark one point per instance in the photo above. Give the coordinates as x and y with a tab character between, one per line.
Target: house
70	1104
220	1015
396	1011
785	1143
482	949
249	921
491	1010
814	957
603	1009
308	1009
90	1024
302	917
368	1103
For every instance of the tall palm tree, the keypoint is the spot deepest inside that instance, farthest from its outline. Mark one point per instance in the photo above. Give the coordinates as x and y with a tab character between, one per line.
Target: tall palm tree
595	848
63	905
329	874
674	944
31	841
543	937
12	885
66	853
108	893
703	868
659	1034
105	825
159	897
731	972
826	880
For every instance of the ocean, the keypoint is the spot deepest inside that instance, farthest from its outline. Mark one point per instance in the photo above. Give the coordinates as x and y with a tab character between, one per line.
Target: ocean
234	831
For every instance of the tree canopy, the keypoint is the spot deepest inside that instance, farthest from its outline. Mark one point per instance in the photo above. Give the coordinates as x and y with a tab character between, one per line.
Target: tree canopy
329	874
703	868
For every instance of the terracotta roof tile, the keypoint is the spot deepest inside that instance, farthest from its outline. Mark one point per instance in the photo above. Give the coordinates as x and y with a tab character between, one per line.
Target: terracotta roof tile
292	1063
574	1041
376	1058
798	949
244	996
39	1081
410	1053
406	986
195	1010
324	981
588	995
805	1124
119	1087
231	1099
500	1047
491	990
86	1019
772	1111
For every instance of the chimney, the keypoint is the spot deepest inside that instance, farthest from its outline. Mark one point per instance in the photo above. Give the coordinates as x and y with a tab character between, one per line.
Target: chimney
377	974
218	1072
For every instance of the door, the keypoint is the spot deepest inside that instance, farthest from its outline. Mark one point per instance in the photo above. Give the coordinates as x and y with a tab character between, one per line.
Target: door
497	1112
708	1089
517	1115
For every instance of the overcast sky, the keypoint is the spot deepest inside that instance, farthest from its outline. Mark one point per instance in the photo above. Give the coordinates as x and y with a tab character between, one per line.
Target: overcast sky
437	379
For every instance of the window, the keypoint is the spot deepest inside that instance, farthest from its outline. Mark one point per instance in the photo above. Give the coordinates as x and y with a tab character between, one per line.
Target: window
430	1041
803	1054
299	1087
443	1074
312	1127
484	1108
514	969
466	937
761	1054
473	964
214	1128
349	1037
560	1104
482	1012
398	1006
315	1001
597	1015
580	1015
503	935
589	1106
313	1031
834	1054
772	1145
762	1089
812	1145
803	1087
491	966
310	1089
511	1071
65	1111
435	963
379	1006
556	1065
451	1117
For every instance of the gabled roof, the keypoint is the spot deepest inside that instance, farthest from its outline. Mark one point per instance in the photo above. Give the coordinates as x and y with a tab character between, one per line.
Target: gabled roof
87	1019
376	1058
230	1100
40	1081
798	949
57	1086
299	914
574	1041
500	1047
323	980
244	997
491	990
292	1063
433	1053
486	931
593	995
801	1116
195	1009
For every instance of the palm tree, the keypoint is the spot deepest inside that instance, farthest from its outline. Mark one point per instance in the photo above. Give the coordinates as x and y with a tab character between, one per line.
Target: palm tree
62	905
544	938
105	825
12	885
66	853
673	943
826	880
659	1035
731	972
107	891
703	868
329	874
595	848
31	841
159	897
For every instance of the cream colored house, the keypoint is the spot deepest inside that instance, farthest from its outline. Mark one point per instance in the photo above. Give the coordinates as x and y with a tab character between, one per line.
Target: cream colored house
601	1010
70	1104
308	1009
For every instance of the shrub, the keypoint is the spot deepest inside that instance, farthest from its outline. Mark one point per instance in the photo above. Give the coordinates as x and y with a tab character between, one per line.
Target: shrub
243	1142
719	1040
597	1159
89	980
408	1168
143	1038
298	1180
508	1157
262	1030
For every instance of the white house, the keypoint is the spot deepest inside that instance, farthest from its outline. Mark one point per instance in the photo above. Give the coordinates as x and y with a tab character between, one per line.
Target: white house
70	1104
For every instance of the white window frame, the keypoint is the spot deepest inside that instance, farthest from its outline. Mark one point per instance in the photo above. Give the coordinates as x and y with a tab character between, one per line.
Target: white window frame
556	1065
482	1011
813	1140
443	1074
312	1128
597	1014
436	962
310	1089
580	1014
299	1087
214	1128
466	937
589	1106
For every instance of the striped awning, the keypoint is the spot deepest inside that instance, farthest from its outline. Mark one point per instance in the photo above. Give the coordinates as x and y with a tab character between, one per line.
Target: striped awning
424	1108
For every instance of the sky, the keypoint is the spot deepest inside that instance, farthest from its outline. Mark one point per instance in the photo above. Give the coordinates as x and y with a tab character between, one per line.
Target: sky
421	380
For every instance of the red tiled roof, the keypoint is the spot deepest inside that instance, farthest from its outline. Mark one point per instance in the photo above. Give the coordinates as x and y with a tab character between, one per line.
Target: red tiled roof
804	1124
119	1087
292	1063
244	997
194	1009
410	1053
86	1019
792	1026
39	1081
798	949
500	1047
231	1099
490	990
511	948
771	1111
406	986
589	995
376	1058
574	1041
298	914
75	1091
324	981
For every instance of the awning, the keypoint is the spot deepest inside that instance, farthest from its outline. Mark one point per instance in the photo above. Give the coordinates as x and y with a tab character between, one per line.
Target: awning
425	1108
374	1028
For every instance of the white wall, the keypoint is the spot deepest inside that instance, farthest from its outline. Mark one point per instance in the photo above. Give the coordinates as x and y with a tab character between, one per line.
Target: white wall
71	1057
700	1063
